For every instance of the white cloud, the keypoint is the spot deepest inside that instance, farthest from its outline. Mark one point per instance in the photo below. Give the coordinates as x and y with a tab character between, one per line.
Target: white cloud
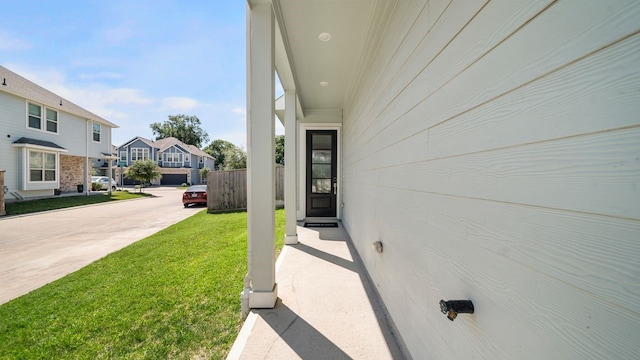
105	101
239	111
97	62
38	75
10	43
100	75
238	138
179	103
119	34
109	95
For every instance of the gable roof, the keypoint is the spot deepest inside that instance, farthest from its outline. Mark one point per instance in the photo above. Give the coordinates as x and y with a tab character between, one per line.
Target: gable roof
144	140
199	152
166	143
15	84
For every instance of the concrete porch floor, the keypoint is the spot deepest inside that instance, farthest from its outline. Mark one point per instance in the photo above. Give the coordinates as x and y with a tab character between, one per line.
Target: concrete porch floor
326	308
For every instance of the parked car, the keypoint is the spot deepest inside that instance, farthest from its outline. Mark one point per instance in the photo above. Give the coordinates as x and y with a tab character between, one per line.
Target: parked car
195	194
104	182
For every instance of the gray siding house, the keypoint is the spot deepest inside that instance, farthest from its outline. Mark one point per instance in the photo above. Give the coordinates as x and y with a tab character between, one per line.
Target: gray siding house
179	162
48	143
102	167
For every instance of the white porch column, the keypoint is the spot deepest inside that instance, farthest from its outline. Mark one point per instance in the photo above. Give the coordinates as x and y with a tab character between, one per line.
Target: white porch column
260	286
290	164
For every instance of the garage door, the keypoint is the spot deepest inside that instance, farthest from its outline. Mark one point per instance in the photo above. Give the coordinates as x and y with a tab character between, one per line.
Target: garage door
173	179
128	181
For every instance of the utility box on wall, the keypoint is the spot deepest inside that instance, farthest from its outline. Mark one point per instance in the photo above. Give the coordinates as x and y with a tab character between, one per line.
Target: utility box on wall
2	212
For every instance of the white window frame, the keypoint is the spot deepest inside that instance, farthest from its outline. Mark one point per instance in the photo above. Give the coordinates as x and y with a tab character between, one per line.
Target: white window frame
44	169
48	121
172	157
124	158
135	155
187	157
44	119
93	132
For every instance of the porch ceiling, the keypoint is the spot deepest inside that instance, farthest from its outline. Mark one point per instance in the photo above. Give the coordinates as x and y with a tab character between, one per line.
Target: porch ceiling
323	71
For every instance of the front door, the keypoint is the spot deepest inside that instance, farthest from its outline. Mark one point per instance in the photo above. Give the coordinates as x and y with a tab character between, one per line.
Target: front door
322	175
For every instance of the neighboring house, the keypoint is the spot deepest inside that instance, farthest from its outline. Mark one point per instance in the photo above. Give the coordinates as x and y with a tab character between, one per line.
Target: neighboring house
492	147
101	166
179	162
47	142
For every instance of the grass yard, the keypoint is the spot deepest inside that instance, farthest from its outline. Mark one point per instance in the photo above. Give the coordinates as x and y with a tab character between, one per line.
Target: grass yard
175	294
31	206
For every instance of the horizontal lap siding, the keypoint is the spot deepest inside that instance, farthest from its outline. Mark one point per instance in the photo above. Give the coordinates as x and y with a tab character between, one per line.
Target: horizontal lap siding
494	149
12	123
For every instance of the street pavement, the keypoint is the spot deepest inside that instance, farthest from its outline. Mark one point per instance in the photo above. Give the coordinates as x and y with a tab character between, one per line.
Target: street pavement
39	248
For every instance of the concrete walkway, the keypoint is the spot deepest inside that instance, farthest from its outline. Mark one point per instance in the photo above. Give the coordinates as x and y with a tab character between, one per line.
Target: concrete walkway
326	306
38	248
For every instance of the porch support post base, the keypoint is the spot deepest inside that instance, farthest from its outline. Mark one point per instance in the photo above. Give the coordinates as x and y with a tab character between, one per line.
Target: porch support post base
291	239
263	299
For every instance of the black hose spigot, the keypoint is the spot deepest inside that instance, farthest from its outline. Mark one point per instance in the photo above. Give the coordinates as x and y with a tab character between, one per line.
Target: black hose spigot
452	308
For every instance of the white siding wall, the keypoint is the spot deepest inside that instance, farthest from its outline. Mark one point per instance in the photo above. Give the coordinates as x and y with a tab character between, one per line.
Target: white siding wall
494	149
11	130
71	130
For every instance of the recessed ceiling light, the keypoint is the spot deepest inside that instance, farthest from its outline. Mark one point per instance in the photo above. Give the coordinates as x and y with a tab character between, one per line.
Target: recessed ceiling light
324	83
324	36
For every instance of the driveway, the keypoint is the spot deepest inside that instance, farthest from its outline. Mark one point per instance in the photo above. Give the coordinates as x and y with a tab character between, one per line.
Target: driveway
39	248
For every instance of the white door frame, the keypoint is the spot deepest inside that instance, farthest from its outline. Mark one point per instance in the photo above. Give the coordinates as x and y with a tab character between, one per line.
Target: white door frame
302	152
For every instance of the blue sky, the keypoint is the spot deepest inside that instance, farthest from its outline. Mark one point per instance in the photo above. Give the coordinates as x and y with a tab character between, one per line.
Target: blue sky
135	62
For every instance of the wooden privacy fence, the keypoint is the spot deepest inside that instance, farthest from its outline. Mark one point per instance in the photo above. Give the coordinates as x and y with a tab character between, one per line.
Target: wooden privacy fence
227	190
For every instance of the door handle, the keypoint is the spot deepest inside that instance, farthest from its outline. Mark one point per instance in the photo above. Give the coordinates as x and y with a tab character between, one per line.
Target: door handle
335	186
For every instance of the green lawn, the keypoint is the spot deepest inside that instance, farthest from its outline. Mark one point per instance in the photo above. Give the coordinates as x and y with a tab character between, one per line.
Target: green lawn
31	206
175	294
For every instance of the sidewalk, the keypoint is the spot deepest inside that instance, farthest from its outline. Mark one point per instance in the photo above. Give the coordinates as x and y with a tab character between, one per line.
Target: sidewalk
326	307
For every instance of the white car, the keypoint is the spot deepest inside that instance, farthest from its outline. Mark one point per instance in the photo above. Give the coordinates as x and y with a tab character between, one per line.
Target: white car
104	182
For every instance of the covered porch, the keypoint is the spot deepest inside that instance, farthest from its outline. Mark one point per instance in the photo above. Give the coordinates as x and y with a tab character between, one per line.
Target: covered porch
327	307
317	300
316	49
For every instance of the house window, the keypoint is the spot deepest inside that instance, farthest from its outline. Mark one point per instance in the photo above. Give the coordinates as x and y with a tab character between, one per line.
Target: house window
139	154
42	166
96	132
52	121
187	158
172	157
123	156
34	118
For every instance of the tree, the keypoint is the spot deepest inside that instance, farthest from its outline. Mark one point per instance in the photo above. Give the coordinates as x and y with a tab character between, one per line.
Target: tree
144	171
235	158
280	149
204	172
182	127
217	150
229	157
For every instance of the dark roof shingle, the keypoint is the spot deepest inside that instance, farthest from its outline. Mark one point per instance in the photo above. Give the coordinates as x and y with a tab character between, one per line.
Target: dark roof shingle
44	143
